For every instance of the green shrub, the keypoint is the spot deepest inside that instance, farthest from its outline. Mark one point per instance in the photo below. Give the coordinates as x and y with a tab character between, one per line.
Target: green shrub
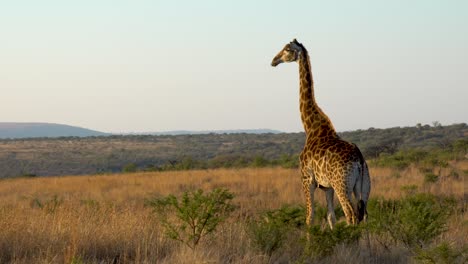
397	160
289	161
269	232
401	159
194	216
322	242
259	162
267	236
427	159
290	215
444	254
413	221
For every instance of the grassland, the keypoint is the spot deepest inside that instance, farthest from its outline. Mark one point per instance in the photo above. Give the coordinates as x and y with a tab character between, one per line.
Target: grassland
103	219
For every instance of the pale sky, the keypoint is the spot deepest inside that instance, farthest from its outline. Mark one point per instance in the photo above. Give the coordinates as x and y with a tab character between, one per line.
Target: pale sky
141	66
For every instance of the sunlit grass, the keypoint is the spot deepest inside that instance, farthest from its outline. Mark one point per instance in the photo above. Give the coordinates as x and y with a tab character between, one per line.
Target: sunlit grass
94	218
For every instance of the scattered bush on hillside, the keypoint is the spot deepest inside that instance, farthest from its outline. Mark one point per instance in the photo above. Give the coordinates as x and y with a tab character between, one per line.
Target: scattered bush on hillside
400	159
259	162
426	158
129	168
71	155
288	161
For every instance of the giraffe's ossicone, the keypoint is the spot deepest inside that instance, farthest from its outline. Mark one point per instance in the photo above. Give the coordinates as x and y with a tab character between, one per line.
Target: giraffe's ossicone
327	161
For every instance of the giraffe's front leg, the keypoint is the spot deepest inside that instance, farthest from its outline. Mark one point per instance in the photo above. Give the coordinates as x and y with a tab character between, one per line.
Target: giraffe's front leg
331	209
309	190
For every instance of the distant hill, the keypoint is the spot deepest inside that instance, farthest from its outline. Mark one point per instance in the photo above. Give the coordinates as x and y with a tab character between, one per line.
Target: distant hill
42	130
39	130
204	132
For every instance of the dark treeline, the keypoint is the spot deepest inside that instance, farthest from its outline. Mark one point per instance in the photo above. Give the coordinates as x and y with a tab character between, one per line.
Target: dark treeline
109	154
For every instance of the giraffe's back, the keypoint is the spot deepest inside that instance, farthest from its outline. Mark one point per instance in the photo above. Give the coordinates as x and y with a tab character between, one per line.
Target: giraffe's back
330	159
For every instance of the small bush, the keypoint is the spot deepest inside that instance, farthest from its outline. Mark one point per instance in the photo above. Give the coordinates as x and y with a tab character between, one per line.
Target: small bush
269	232
289	161
322	243
293	216
194	216
267	236
444	254
259	162
413	221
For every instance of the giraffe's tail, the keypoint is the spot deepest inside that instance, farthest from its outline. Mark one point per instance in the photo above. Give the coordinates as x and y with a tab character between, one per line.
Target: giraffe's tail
364	190
362	211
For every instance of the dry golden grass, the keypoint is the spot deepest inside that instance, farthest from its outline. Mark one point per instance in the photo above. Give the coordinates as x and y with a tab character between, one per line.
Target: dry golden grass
103	218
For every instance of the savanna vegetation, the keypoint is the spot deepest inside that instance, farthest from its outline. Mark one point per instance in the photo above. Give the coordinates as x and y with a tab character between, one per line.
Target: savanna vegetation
237	200
250	215
112	154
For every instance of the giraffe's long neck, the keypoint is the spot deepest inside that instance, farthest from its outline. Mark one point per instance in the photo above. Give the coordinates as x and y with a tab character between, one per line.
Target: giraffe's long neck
316	122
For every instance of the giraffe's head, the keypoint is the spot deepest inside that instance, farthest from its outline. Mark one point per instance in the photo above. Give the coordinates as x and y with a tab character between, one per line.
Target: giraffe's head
289	53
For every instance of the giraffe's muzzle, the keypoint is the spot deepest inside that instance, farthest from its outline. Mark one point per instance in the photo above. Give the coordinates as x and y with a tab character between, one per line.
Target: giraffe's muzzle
276	61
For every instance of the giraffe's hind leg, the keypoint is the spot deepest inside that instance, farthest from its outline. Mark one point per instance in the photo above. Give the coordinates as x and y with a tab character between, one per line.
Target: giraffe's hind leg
345	199
344	191
331	209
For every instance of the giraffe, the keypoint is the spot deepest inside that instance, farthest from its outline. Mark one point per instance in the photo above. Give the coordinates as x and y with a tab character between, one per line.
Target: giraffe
327	161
